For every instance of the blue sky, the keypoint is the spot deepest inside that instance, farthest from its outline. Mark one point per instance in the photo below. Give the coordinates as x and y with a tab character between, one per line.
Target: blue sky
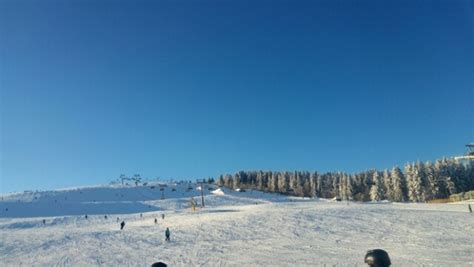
192	89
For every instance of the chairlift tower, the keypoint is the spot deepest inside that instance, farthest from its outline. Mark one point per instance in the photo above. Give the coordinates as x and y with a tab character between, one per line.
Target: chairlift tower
162	189
202	182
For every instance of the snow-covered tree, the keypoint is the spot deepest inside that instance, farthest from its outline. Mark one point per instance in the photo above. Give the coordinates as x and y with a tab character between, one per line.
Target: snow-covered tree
319	186
229	181
346	188
220	181
459	176
398	185
314	184
284	182
451	186
420	171
412	174
376	191
336	187
431	188
237	180
387	180
273	182
442	174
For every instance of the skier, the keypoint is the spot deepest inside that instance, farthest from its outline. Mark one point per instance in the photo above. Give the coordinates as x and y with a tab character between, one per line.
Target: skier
470	209
44	221
167	234
105	217
122	225
118	219
163	216
156	221
86	216
141	215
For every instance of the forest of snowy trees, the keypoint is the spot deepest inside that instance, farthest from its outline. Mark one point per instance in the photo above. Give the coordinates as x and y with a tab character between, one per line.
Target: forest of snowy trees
418	182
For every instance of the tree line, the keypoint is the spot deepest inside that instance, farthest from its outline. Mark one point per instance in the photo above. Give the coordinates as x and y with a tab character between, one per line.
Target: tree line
418	182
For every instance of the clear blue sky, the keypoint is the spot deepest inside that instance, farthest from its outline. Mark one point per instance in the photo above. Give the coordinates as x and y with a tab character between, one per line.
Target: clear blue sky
192	89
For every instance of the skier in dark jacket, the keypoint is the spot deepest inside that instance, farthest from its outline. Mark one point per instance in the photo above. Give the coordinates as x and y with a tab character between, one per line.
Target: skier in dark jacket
167	234
122	225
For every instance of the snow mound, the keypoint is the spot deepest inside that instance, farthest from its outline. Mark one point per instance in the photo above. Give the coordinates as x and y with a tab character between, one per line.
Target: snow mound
218	192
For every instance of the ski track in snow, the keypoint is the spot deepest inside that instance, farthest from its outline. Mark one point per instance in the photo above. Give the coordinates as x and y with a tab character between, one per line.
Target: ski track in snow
249	228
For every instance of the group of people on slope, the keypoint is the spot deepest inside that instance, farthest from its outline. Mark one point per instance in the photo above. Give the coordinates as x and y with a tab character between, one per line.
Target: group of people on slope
167	232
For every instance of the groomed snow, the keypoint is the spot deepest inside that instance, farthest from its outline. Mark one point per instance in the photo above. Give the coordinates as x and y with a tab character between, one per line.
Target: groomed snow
235	228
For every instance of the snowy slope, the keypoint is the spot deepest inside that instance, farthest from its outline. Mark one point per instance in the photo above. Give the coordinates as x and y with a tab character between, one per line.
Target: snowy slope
235	228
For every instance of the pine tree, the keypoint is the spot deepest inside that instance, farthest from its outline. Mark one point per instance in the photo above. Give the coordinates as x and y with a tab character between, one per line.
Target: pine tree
298	184
423	180
336	185
387	180
229	181
413	177
284	182
260	181
451	186
273	182
376	191
458	176
441	176
431	189
349	188
236	184
346	188
319	186
220	181
398	185
314	184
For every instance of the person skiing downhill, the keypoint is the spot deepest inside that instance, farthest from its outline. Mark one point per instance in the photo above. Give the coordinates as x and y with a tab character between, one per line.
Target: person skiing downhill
167	234
122	225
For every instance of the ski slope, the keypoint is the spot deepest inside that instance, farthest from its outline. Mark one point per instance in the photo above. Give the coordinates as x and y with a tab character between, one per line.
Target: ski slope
234	228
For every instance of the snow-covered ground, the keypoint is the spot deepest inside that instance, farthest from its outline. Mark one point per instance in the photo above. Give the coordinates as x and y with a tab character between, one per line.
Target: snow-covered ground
235	228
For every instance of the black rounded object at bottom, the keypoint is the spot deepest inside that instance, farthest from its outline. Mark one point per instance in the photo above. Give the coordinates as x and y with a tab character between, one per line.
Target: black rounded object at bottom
377	258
